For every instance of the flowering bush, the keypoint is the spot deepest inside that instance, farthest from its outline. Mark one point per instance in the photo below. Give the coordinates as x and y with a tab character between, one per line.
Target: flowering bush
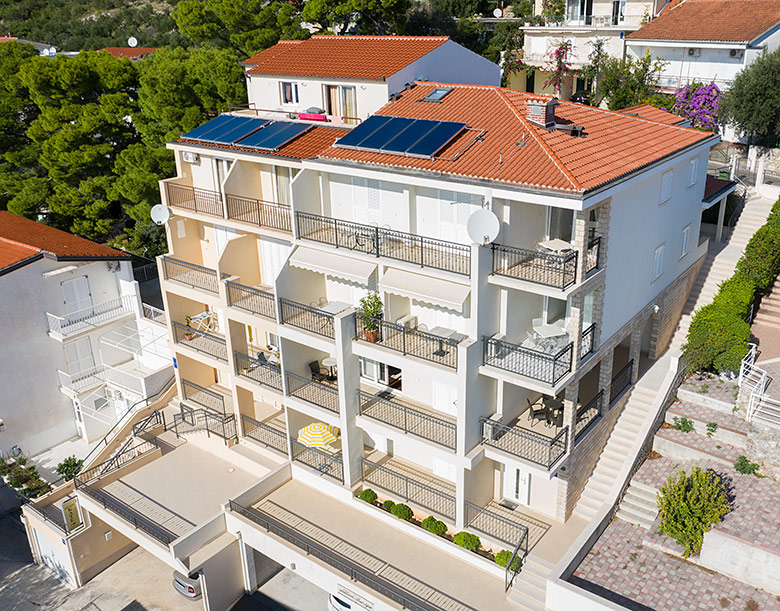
559	66
699	103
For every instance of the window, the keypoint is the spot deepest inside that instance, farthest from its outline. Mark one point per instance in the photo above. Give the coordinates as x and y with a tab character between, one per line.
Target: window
693	171
560	223
658	262
437	95
284	177
686	235
273	341
289	93
666	186
221	167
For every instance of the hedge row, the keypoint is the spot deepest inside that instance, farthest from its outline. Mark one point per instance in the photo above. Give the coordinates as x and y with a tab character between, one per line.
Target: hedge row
718	335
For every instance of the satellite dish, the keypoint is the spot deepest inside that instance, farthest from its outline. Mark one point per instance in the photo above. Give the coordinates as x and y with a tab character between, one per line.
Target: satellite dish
160	214
52	51
132	42
483	226
497	12
46	52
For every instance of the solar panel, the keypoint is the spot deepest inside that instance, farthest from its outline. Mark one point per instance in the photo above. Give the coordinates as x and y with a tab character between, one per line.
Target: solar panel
410	136
196	133
436	139
362	131
275	135
386	132
225	129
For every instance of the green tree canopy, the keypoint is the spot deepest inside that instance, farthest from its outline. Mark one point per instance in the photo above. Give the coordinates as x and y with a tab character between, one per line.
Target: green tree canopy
627	82
752	104
370	16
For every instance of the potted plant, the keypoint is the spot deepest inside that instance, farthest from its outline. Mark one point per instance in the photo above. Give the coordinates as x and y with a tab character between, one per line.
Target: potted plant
371	307
188	335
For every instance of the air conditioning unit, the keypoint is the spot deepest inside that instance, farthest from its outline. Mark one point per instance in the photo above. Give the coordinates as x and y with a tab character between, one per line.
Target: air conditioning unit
489	431
190	157
114	395
409	321
694	52
740	53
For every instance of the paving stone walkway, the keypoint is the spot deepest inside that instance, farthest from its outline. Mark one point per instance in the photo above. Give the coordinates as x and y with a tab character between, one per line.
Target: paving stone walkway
711	386
706	414
712	447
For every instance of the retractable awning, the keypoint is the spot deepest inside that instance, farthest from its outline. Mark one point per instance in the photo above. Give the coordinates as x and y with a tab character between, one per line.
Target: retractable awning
332	264
425	288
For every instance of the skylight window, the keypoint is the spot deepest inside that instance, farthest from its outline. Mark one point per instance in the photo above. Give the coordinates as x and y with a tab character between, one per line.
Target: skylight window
437	95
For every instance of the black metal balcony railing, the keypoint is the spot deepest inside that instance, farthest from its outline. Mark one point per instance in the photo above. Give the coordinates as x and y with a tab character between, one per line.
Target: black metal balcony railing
385	242
48	513
408	489
204	342
327	554
495	525
269	436
621	381
251	299
327	464
261	372
593	254
531	446
203	396
313	392
190	274
548	368
306	317
587	341
588	415
258	212
409	420
441	350
196	200
559	271
188	421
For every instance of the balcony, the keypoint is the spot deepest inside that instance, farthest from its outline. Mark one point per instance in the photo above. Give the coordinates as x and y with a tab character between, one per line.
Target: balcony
258	370
308	318
154	314
588	340
413	342
251	299
259	213
190	274
621	381
192	199
385	242
327	463
411	484
532	446
265	433
409	419
201	341
191	420
89	318
82	380
317	393
535	364
588	415
208	398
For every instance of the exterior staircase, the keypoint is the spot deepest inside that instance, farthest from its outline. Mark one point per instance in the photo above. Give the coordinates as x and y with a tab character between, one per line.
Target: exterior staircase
530	585
769	312
639	505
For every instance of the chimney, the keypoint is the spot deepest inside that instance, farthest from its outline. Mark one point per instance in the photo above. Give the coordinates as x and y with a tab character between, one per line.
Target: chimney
541	112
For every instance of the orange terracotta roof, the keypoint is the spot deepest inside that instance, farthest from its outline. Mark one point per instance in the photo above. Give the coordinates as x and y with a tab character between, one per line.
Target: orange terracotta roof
8	38
12	254
360	57
59	244
651	113
715	188
712	20
501	145
305	146
129	52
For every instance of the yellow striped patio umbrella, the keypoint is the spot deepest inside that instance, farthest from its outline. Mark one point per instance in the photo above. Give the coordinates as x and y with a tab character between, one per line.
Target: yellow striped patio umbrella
317	434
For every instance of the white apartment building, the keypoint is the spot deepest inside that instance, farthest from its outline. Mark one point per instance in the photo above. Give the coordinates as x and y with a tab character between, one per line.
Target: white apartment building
482	395
79	348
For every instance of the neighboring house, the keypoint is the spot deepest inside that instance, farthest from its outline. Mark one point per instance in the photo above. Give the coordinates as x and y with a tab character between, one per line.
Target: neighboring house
41	47
708	40
483	394
70	310
344	78
134	54
584	22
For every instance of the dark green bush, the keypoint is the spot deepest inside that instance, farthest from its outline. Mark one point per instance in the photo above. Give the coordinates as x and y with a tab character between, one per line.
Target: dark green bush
735	295
69	468
388	505
761	260
467	541
403	512
504	556
437	527
716	339
368	495
744	466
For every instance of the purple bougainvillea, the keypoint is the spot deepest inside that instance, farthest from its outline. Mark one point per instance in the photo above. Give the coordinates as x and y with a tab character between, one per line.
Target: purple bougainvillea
699	103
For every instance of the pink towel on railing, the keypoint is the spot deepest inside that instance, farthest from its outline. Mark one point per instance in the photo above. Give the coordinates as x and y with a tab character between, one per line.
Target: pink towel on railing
308	116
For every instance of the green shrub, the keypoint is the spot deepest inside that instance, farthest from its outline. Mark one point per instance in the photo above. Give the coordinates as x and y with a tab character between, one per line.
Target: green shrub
682	424
504	556
744	466
403	512
711	428
716	339
689	505
761	260
735	295
467	541
388	505
18	477
368	495
69	468
437	527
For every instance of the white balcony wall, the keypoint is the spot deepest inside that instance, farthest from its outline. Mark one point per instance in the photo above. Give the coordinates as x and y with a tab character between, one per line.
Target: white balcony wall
514	401
202	173
444	214
518	314
523	225
241	257
438	316
246	180
346	291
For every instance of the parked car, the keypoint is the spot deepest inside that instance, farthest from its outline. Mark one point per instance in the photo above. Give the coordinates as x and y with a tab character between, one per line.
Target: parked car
336	604
187	586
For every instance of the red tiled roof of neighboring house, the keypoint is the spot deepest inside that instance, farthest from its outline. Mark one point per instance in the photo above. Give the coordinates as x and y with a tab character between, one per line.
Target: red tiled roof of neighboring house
501	144
651	113
12	253
358	57
21	235
130	52
305	146
715	188
8	38
712	20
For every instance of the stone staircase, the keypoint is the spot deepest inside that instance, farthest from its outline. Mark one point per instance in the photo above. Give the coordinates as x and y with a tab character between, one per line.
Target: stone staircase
530	586
639	505
721	262
769	312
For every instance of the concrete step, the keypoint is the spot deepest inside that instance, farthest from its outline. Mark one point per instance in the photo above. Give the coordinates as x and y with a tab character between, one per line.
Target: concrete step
640	519
680	446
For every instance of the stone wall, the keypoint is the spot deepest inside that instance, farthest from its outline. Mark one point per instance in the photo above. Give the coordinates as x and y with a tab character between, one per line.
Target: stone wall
762	447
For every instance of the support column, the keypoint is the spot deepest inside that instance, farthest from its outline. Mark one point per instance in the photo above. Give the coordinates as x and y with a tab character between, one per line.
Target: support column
581	243
575	328
603	213
634	349
721	215
349	383
570	411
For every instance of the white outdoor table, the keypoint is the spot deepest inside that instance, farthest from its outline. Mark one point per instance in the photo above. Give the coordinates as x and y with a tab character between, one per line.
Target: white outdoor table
334	307
557	245
547	331
330	362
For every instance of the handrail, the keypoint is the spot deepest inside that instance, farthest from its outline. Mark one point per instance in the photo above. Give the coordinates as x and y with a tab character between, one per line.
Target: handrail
312	391
121	458
596	403
214	345
270	436
57	521
587	340
529	445
481	519
200	420
548	269
535	364
91	316
305	317
261	372
153	420
331	465
511	571
190	274
624	377
250	299
259	212
195	199
215	397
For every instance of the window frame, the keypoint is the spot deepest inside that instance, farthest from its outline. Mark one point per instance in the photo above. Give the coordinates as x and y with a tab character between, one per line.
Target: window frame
293	90
685	241
658	257
662	199
693	171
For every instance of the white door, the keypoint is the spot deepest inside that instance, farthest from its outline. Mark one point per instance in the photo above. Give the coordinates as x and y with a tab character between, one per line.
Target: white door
78	355
77	294
445	397
54	554
274	254
517	485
